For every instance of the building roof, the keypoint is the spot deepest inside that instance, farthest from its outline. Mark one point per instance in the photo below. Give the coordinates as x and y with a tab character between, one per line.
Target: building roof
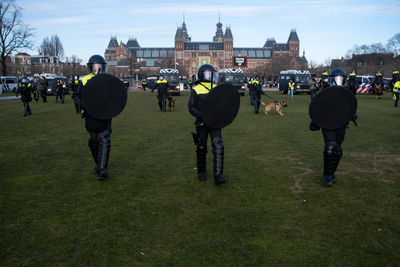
270	42
281	47
113	42
228	33
132	42
219	34
293	36
182	33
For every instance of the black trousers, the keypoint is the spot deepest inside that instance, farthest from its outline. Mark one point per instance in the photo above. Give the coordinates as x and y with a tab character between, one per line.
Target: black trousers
218	149
77	103
333	151
162	101
27	109
44	96
99	142
256	97
336	135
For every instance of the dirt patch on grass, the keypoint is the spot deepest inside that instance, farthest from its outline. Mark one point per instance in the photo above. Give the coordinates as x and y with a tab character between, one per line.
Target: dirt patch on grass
379	165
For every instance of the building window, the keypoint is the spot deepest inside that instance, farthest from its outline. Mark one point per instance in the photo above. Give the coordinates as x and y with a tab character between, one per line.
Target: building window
204	47
203	54
139	53
193	54
163	53
155	53
214	54
259	54
146	53
252	53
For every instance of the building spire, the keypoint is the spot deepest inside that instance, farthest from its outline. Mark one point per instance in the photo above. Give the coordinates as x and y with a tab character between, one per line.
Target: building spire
183	17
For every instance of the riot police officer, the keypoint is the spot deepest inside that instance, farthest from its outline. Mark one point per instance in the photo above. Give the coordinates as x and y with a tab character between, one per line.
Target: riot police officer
323	83
99	130
352	83
60	92
144	85
256	92
333	139
25	89
377	85
207	79
43	88
75	92
162	89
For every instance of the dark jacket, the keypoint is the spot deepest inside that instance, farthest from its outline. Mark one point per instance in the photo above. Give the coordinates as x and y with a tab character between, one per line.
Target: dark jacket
197	95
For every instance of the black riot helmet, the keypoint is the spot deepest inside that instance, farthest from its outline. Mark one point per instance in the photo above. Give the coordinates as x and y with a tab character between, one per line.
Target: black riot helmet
337	77
23	82
97	59
207	73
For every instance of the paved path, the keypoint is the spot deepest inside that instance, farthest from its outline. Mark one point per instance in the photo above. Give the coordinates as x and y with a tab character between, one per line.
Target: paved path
9	97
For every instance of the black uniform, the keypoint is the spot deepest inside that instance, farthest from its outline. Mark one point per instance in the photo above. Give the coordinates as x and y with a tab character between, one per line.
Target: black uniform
60	92
197	96
352	85
162	89
43	88
25	89
100	137
75	94
333	139
255	93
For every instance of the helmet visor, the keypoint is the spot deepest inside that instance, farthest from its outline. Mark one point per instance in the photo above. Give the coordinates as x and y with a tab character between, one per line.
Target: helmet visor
210	76
338	80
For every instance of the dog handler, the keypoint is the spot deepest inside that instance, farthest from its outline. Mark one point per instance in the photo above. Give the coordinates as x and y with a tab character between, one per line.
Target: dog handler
207	79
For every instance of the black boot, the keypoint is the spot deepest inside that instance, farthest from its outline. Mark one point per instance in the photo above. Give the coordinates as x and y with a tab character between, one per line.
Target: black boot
201	154
104	152
332	155
218	150
160	105
94	148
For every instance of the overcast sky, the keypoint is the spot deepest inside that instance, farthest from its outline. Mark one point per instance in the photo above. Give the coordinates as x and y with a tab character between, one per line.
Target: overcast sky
326	29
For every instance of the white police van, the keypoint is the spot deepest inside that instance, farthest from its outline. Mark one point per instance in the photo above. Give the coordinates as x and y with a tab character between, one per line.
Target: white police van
8	84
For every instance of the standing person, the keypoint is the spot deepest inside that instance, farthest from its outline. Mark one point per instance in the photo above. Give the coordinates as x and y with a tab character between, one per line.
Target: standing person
99	130
75	92
162	88
352	84
207	79
396	91
249	86
377	85
256	89
60	90
333	138
144	85
43	88
323	83
291	88
25	89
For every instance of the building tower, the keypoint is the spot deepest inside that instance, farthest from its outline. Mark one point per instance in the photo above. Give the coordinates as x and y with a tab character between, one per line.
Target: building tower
228	47
293	43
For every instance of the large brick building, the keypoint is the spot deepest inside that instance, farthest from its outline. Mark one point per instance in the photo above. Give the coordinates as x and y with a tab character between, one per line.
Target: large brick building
188	55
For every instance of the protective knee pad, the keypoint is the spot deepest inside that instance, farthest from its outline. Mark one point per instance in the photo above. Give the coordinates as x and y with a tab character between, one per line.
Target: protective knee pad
332	154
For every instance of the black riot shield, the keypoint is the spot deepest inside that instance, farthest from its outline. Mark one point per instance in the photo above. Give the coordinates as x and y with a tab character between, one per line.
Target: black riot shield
333	107
221	106
104	96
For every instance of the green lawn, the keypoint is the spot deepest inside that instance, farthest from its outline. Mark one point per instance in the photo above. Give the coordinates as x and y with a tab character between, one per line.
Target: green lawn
152	210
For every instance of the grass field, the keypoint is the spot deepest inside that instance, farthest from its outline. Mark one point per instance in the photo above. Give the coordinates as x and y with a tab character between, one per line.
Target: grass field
152	210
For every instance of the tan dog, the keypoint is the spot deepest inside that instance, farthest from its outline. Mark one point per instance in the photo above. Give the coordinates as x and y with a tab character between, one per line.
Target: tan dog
274	105
171	104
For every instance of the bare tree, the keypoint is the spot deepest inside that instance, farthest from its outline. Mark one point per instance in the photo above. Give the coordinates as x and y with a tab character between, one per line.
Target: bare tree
52	47
14	35
393	44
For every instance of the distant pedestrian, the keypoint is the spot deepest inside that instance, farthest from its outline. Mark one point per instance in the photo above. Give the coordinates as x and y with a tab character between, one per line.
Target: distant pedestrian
291	88
162	89
396	91
75	92
256	92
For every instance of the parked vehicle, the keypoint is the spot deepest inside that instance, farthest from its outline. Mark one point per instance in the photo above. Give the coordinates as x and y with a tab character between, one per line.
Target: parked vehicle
233	76
364	84
300	78
9	83
151	82
172	77
51	90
